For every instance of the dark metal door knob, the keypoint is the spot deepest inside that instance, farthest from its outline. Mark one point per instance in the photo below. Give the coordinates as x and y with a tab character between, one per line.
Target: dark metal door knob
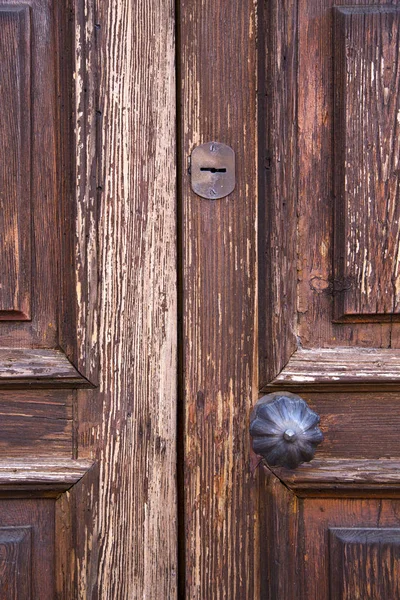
285	430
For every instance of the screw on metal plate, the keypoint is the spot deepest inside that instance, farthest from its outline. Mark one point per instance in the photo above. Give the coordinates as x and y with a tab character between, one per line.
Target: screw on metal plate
212	170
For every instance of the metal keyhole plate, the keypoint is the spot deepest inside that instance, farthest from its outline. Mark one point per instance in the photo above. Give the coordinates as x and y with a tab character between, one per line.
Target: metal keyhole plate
212	170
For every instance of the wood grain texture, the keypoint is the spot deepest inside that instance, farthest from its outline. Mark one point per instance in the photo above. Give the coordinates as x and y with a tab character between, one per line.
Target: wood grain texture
367	104
279	539
81	343
15	171
320	515
65	559
299	562
36	515
49	166
219	301
316	169
36	423
353	481
364	563
56	474
38	195
36	368
278	186
326	368
357	425
79	561
335	474
132	98
15	563
300	188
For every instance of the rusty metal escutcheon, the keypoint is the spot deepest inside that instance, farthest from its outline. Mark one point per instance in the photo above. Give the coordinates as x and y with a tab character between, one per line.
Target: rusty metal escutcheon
212	169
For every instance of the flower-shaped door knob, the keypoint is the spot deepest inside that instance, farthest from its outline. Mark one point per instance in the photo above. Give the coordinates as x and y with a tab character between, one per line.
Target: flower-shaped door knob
285	430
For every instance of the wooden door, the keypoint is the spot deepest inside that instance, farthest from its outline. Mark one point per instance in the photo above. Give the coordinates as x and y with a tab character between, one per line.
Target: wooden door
308	96
87	300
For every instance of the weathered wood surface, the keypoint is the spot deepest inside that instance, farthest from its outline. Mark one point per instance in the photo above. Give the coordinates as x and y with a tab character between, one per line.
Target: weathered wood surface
300	527
131	551
16	562
46	279
278	185
333	474
318	517
359	424
279	518
36	515
118	153
30	191
367	104
34	473
377	575
36	423
66	573
316	173
35	367
340	367
81	342
348	372
217	63
15	170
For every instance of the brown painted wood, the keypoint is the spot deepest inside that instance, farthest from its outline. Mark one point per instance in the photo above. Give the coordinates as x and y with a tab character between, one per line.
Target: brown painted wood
37	368
319	517
127	175
33	569
329	202
217	62
15	147
40	474
331	474
317	168
15	562
279	539
338	368
89	223
45	278
65	570
377	575
367	103
34	207
277	140
36	423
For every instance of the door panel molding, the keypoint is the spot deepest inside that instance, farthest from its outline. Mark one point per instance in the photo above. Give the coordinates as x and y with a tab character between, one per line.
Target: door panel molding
366	167
38	368
45	252
377	575
347	369
328	477
328	279
302	228
51	476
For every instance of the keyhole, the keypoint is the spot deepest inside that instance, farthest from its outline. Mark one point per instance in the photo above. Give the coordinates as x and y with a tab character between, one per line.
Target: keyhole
213	170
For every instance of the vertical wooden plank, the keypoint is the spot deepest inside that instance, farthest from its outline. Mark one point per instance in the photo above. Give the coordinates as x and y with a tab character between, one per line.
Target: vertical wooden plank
87	120
15	170
278	179
218	98
66	553
279	540
81	543
367	108
135	527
